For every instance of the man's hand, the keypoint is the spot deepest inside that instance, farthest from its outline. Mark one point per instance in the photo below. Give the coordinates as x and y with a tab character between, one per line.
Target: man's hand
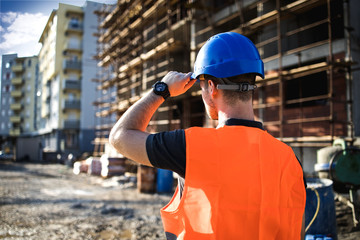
178	83
128	136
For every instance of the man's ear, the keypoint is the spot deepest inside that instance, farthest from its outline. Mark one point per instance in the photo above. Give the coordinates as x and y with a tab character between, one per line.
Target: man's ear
212	88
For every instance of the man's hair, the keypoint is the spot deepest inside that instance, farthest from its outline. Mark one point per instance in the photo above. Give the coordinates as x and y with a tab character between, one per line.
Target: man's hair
231	95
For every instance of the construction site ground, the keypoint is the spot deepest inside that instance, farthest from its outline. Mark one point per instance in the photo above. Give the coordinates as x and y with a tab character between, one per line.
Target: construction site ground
48	201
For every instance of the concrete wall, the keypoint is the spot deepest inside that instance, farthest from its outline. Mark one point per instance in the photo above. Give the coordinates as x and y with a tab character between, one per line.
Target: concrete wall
89	66
29	149
85	140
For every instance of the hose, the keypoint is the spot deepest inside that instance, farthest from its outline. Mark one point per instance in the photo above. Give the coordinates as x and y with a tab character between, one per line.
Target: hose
317	209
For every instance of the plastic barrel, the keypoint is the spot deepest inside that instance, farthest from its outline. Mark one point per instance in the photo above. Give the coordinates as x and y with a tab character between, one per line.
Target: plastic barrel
325	221
317	237
164	181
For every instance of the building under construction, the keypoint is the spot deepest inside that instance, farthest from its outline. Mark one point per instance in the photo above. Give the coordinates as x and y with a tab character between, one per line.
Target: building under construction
310	50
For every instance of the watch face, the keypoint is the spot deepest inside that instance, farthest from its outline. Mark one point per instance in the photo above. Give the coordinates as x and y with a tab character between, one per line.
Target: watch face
160	87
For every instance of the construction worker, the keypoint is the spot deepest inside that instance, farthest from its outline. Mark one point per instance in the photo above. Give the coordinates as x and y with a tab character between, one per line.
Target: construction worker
241	183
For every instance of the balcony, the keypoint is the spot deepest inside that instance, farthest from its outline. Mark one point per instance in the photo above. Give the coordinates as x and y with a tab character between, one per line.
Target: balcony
17	81
16	106
14	132
71	104
16	93
74	26
73	47
15	119
71	124
47	94
18	68
45	111
72	65
72	84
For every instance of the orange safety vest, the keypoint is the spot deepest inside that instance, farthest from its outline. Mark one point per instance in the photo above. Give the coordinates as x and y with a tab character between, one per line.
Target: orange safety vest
241	183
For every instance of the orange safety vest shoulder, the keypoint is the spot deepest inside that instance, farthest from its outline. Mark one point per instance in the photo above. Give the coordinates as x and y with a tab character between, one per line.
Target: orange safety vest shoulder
241	183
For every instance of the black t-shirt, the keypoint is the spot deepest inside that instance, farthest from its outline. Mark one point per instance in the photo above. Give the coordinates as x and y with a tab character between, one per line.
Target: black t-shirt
167	150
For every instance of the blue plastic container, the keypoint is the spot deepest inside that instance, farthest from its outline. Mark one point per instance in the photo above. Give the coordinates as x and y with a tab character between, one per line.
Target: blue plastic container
317	237
325	221
164	181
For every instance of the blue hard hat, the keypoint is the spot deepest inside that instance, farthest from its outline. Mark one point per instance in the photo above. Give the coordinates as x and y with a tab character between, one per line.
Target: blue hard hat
226	55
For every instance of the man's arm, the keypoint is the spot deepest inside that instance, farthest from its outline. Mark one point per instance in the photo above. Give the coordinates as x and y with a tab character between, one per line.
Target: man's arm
128	135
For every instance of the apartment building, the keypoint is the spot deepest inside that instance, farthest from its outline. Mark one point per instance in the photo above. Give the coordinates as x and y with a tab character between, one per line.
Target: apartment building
67	68
6	75
310	50
18	101
23	93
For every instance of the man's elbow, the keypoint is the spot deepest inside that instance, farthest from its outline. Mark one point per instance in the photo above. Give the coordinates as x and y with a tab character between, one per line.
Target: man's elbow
115	139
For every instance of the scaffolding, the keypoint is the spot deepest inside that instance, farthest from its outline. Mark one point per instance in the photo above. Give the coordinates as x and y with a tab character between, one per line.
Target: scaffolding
305	98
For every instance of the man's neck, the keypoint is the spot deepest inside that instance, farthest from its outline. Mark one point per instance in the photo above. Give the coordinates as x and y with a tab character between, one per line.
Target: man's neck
242	110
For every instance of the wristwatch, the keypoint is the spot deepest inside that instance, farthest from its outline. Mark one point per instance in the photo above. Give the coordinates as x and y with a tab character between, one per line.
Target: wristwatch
161	89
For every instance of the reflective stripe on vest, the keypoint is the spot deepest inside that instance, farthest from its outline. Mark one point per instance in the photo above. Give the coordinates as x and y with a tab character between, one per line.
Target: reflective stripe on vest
241	183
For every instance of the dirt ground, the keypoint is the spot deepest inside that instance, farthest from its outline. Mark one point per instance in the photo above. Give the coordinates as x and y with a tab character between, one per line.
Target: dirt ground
47	201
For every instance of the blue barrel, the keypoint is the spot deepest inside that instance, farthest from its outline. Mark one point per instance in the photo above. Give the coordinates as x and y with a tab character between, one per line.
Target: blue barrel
164	181
325	221
317	237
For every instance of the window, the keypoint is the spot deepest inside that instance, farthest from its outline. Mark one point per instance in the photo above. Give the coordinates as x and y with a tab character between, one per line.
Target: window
71	97
74	43
74	22
72	116
29	63
305	87
7	65
71	140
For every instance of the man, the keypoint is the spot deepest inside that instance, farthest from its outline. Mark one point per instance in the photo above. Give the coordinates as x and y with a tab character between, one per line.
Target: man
241	183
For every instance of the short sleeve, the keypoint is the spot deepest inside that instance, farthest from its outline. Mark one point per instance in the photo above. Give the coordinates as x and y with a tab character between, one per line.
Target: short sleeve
167	150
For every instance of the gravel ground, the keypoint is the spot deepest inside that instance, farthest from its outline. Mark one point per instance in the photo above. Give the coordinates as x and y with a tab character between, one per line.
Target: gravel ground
47	201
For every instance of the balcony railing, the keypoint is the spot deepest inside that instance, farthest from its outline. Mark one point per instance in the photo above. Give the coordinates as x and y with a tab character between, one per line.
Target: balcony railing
17	68
16	93
16	106
71	124
72	84
72	65
17	81
73	46
15	119
74	26
14	132
71	104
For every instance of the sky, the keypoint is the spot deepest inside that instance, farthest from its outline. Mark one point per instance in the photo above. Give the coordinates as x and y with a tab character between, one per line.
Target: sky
22	22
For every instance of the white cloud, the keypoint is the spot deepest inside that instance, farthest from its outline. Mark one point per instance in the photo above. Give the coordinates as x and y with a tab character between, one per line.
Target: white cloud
8	17
22	34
